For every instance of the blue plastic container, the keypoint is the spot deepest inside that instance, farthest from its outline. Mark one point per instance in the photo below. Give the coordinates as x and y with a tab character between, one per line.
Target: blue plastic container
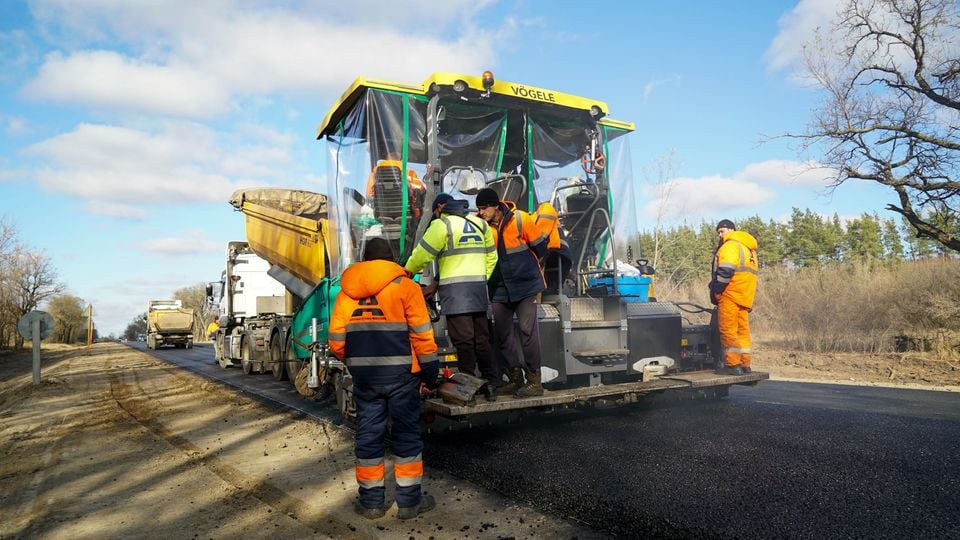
632	288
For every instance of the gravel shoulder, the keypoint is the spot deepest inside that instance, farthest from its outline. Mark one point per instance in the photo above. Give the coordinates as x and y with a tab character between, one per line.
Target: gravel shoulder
897	370
114	443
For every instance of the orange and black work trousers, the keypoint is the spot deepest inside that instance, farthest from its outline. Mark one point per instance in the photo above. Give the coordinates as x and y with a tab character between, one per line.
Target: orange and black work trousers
400	403
733	321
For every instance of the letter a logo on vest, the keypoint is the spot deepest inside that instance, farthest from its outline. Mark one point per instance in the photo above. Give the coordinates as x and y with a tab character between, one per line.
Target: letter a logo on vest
368	301
470	233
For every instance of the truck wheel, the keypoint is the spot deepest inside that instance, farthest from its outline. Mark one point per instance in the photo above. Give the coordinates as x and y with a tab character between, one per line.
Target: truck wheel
300	382
343	386
277	368
245	356
189	345
293	364
220	353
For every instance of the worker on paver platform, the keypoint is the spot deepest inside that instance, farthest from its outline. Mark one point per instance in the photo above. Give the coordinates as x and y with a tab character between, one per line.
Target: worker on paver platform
557	262
466	256
732	289
514	286
381	330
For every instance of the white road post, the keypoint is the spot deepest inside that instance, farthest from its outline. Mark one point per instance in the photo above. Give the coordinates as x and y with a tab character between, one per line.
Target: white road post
36	351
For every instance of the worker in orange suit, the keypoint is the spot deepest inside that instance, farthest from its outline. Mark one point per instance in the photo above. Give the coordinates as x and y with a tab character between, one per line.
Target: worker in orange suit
557	261
416	189
381	330
732	289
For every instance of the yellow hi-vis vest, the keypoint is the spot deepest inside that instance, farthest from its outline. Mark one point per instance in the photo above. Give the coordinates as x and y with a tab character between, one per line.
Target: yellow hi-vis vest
466	255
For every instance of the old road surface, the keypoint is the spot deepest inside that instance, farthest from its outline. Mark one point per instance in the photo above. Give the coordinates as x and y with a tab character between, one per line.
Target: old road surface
779	460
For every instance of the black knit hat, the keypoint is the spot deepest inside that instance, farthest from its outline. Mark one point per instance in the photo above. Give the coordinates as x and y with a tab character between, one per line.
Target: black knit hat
487	197
726	224
442	198
377	248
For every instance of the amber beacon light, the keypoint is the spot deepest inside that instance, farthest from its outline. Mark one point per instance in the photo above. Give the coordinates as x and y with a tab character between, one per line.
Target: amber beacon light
487	79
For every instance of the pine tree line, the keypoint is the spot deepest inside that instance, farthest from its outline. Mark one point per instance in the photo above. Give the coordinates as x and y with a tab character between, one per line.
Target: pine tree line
807	240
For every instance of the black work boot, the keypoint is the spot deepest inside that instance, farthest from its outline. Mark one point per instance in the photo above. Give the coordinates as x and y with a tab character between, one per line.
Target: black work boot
533	386
730	370
516	381
489	391
409	512
376	512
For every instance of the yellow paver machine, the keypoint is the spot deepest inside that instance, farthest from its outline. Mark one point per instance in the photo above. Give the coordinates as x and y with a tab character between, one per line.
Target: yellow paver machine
391	147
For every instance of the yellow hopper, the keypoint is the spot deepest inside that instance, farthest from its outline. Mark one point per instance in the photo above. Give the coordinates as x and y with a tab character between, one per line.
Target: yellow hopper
287	228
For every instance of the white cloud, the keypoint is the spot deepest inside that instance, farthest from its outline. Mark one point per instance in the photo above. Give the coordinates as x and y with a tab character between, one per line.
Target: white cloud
15	125
122	211
107	80
190	243
180	162
706	196
190	58
7	175
696	198
797	28
651	86
787	173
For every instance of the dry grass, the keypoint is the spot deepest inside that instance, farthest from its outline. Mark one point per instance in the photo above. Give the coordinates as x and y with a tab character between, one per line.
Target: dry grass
914	306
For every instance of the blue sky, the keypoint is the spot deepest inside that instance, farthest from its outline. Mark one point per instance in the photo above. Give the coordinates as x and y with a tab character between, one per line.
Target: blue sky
124	126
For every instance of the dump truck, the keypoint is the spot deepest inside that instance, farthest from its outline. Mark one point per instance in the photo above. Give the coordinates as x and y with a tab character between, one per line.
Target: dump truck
169	323
604	338
288	229
254	313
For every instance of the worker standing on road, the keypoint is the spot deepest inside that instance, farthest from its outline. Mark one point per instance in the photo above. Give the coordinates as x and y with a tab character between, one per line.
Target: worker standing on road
514	286
732	289
212	330
466	256
381	330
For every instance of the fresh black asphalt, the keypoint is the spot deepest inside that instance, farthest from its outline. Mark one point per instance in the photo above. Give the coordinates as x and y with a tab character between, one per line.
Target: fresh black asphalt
780	460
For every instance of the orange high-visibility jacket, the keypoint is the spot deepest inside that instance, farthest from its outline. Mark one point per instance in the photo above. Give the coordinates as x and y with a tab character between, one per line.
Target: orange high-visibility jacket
547	222
380	327
520	246
735	268
413	181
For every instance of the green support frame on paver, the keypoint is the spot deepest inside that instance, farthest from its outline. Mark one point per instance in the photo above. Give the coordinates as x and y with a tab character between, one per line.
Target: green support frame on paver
392	147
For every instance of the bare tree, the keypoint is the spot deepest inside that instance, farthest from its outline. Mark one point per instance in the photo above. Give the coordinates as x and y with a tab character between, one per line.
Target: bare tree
69	316
195	296
891	70
9	250
33	279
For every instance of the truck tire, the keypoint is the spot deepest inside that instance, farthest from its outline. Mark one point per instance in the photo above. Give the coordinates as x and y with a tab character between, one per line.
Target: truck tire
300	382
189	345
220	355
277	367
293	365
343	386
245	361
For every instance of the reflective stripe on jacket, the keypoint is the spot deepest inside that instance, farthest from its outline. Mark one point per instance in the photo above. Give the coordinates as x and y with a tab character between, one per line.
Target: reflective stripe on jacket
546	219
520	245
466	256
735	268
380	327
